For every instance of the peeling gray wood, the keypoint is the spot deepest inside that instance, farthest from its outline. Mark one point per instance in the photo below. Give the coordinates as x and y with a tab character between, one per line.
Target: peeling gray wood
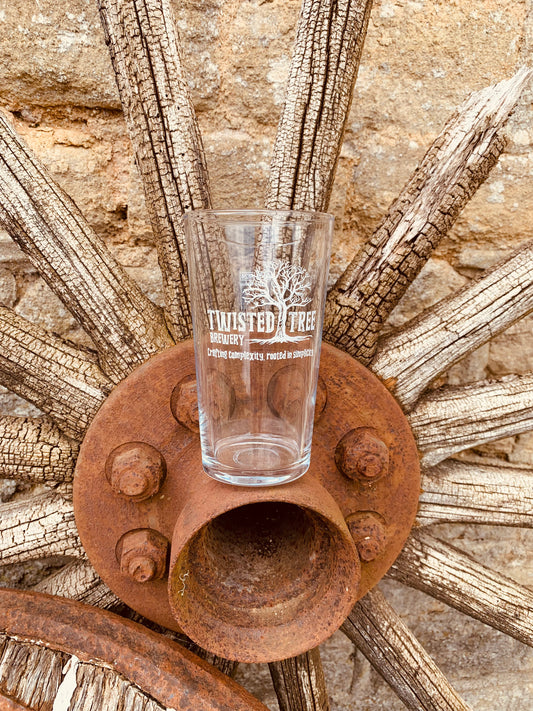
457	418
35	449
447	574
126	327
411	358
327	50
62	380
461	492
38	526
378	631
456	164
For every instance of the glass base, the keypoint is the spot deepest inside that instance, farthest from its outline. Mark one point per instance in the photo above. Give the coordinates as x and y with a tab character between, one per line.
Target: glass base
256	460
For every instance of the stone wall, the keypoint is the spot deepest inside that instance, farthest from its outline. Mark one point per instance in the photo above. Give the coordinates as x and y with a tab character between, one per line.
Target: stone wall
421	59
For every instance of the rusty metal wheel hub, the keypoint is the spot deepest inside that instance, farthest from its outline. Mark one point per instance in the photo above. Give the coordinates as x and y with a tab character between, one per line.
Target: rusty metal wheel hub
254	574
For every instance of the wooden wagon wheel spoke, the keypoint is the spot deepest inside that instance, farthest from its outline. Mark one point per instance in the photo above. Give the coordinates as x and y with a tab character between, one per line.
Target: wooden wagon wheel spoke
38	527
124	324
144	49
326	54
35	449
452	576
453	168
458	492
377	630
79	581
413	357
62	380
455	418
299	683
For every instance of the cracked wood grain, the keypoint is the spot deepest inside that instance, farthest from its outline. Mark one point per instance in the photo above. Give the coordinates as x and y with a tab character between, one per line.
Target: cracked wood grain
453	419
126	327
29	673
35	449
146	56
378	631
62	380
79	581
456	164
47	679
426	347
299	683
450	575
39	526
461	492
327	50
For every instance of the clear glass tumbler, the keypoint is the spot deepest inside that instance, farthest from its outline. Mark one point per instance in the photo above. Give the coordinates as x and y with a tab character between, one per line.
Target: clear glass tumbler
258	285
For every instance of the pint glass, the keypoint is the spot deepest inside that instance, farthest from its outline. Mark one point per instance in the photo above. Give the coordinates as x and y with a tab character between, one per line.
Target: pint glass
257	284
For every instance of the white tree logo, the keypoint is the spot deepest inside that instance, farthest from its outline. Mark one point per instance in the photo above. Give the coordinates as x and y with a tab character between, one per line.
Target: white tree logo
281	285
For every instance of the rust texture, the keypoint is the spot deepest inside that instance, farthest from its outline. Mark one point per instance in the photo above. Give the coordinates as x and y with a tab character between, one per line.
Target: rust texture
254	573
175	677
8	704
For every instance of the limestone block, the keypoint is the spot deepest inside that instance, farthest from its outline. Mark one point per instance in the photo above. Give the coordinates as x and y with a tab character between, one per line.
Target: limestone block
41	306
522	452
512	351
8	288
53	54
436	280
238	168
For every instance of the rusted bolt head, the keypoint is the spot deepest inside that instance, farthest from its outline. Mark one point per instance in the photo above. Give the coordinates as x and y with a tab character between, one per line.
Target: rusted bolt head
369	533
135	470
142	555
287	392
362	455
184	403
184	399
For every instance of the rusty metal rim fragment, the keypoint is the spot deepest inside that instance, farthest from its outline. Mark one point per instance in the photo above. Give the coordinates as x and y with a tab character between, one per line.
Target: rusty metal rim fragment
172	675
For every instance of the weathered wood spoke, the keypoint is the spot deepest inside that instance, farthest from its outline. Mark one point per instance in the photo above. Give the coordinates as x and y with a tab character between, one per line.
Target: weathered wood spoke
377	630
38	527
33	449
446	573
124	324
456	418
417	354
29	673
329	41
79	581
299	683
144	49
459	160
461	492
62	380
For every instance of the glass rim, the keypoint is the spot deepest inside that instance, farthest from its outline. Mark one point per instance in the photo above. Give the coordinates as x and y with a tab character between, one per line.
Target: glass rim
257	216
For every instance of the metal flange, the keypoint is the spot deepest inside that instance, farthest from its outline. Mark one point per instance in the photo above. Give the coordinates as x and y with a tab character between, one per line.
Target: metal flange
254	574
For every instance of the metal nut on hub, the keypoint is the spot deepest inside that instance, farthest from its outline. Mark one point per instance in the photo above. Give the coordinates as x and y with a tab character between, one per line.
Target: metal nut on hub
135	470
142	555
287	392
368	531
184	399
184	403
362	455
